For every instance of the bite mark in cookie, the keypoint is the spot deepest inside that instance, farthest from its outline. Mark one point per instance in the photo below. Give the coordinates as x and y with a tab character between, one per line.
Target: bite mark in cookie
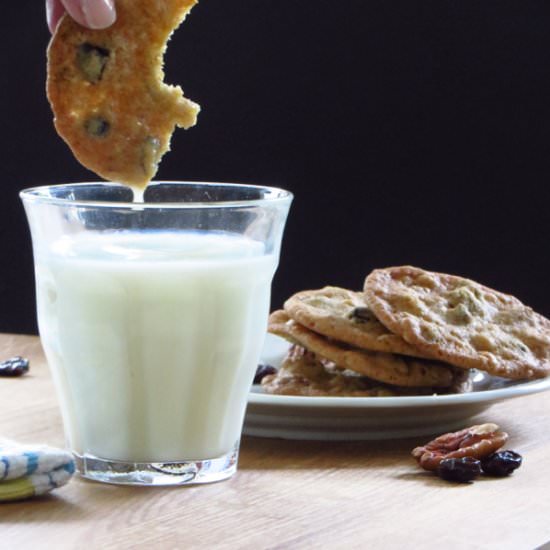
107	93
461	322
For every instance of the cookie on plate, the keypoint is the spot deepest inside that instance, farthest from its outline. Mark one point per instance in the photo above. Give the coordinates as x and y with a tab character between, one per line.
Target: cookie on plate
279	324
461	322
303	373
343	315
107	93
398	370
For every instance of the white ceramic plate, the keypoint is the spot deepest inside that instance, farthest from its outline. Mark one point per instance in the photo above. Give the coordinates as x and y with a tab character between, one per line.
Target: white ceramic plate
357	418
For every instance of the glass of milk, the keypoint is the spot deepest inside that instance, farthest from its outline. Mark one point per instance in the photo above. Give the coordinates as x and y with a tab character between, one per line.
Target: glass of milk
152	314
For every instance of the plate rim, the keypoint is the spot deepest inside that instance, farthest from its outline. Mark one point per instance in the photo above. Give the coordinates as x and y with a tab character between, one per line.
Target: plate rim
525	388
515	389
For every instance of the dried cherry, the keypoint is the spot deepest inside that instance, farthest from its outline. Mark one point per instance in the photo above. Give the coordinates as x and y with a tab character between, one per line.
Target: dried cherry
501	463
263	370
461	470
16	366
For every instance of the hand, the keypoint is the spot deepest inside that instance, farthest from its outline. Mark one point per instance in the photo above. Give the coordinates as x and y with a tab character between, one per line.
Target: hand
94	14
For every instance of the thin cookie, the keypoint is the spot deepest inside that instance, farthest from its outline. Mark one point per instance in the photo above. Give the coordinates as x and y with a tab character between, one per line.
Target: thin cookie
384	367
343	315
107	93
279	323
305	374
461	322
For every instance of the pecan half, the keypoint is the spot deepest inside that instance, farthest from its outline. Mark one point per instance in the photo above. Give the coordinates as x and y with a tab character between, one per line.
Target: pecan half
476	442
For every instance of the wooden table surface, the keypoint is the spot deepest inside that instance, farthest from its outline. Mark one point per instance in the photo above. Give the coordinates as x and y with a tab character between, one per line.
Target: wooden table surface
286	494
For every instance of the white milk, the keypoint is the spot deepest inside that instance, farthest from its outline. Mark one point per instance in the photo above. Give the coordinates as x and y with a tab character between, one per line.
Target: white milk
153	340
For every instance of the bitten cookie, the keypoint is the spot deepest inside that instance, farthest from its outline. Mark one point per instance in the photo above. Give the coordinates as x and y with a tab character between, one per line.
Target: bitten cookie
343	315
107	93
461	322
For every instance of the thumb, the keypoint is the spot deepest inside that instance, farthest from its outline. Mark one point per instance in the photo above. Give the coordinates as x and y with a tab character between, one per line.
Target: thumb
54	11
95	14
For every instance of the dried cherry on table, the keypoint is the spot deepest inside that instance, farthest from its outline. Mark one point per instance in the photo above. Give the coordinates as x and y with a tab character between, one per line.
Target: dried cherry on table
461	470
16	366
501	463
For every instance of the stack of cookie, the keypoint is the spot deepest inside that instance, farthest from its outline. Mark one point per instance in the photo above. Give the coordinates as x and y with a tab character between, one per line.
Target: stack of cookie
410	332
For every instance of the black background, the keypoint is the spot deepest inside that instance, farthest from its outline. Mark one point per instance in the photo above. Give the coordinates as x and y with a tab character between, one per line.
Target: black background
409	131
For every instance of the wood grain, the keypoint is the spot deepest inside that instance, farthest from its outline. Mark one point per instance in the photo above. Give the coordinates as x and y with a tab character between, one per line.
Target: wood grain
286	494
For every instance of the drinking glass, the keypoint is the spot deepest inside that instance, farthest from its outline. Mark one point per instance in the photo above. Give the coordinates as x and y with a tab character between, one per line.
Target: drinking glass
152	316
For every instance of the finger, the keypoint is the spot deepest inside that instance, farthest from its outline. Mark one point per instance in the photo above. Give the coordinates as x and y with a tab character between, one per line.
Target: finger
74	9
54	11
95	14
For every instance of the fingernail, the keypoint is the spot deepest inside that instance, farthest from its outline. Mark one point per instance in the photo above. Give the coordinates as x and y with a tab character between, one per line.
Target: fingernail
99	13
49	14
54	11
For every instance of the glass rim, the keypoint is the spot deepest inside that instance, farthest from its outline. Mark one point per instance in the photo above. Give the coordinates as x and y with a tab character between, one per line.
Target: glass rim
274	195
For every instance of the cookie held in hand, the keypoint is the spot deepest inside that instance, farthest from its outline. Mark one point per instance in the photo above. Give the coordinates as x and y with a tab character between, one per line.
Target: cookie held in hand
107	93
461	322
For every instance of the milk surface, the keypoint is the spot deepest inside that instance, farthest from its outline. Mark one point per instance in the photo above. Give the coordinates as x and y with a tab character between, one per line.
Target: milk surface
153	339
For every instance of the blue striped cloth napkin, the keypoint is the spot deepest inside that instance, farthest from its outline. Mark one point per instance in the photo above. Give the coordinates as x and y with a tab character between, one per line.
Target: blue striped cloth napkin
31	470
